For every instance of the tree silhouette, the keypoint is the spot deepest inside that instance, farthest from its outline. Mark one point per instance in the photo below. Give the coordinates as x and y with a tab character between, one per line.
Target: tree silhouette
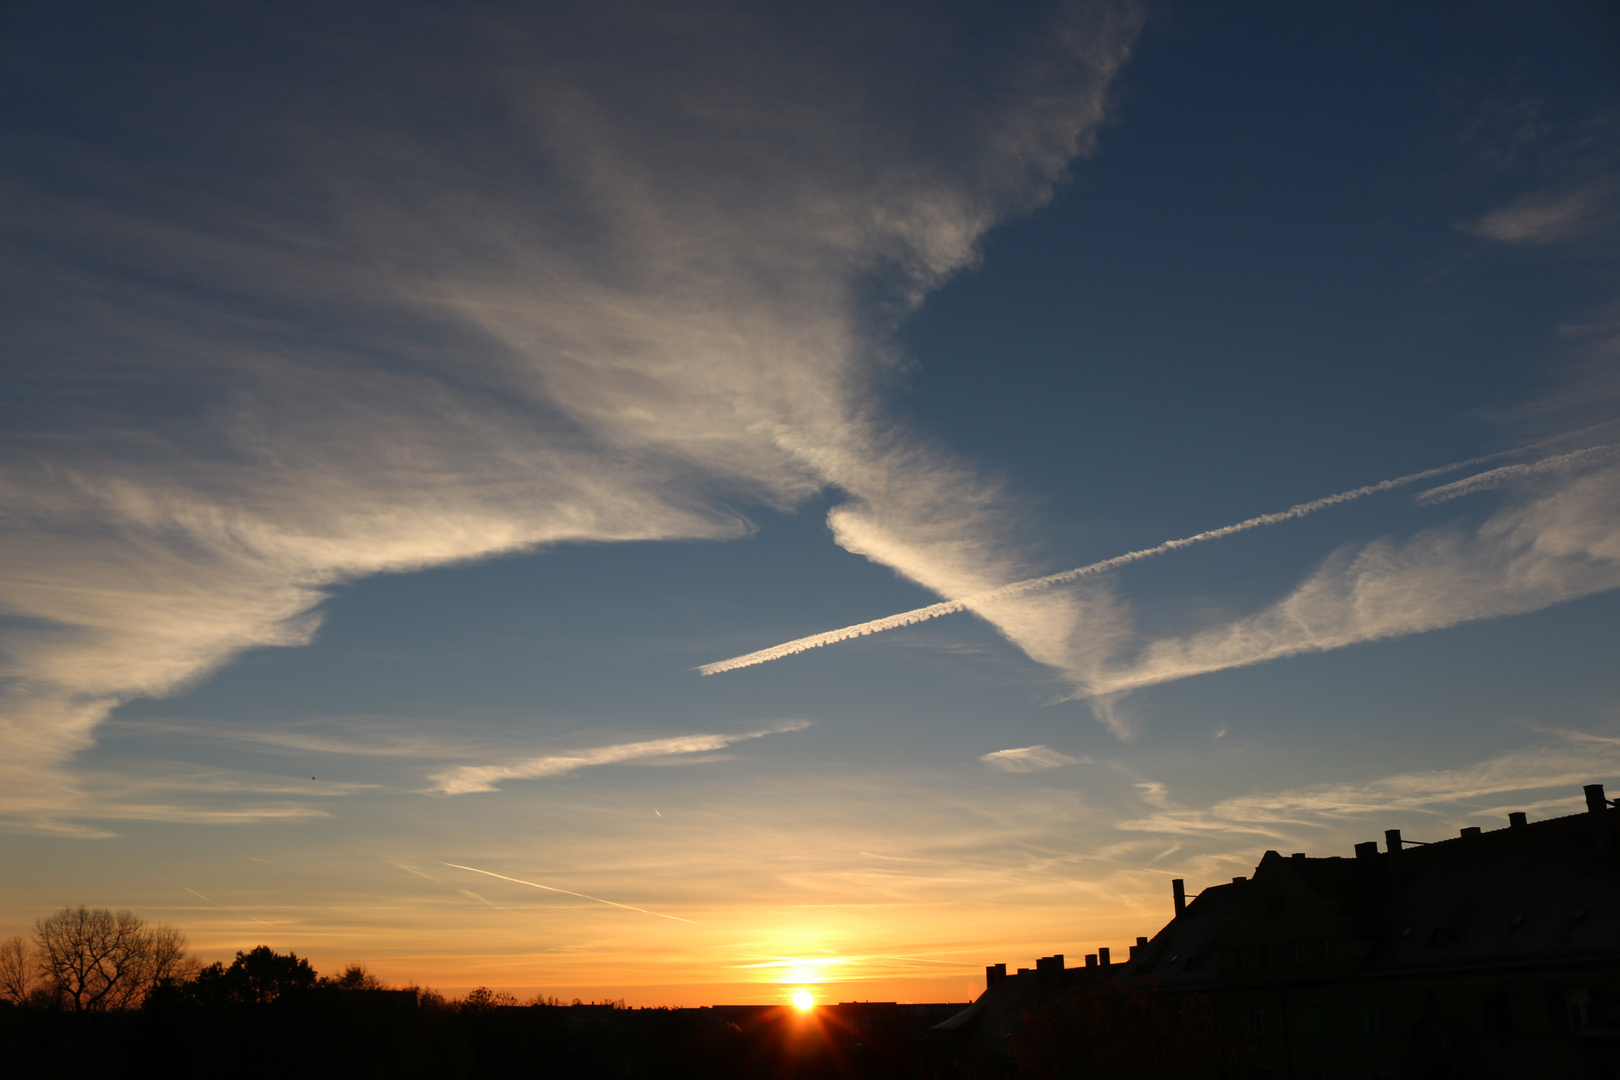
259	977
16	970
100	959
354	977
483	998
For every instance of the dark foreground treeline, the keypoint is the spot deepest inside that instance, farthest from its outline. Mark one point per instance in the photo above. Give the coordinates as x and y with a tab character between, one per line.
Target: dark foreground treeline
327	1030
99	993
384	1033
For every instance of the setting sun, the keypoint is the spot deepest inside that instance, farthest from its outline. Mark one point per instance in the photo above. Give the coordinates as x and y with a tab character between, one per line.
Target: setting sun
803	1000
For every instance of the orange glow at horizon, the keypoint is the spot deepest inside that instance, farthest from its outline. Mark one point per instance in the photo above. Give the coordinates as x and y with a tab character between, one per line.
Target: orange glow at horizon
731	955
921	941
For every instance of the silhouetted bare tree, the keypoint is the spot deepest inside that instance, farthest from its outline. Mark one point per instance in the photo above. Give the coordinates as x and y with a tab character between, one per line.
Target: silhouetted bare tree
101	959
483	998
16	970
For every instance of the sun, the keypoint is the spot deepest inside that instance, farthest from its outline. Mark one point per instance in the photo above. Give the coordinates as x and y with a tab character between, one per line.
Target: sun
803	1000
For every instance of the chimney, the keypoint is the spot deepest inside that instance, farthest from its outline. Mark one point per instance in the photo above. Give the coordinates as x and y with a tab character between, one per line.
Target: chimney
1517	820
1471	830
1049	966
1392	844
993	974
1091	959
1102	956
1141	943
1178	890
1597	807
1367	849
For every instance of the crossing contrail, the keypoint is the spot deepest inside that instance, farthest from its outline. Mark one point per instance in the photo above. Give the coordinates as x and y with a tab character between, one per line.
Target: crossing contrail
1508	473
948	607
570	892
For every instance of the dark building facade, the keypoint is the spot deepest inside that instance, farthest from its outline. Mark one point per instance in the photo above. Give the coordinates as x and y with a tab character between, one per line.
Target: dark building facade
1493	955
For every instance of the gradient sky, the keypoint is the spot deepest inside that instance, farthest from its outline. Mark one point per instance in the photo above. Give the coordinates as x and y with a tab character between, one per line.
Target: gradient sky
402	403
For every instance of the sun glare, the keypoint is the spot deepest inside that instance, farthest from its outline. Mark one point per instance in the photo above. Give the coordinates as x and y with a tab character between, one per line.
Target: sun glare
803	1000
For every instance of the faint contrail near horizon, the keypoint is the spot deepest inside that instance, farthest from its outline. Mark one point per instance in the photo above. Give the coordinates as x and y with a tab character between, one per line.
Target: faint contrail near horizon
570	892
223	907
949	607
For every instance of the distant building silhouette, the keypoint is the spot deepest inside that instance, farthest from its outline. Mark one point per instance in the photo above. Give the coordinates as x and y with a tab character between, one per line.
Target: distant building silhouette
1490	954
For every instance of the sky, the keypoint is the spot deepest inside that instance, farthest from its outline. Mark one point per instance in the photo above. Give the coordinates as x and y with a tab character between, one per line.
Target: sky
1202	421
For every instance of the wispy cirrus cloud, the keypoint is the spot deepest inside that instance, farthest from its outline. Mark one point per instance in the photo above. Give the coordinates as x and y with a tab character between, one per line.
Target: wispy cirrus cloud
1559	543
1548	217
1024	759
382	743
1571	761
589	275
465	779
191	794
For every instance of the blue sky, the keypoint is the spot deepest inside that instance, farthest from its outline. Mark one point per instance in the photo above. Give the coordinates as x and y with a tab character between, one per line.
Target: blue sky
402	406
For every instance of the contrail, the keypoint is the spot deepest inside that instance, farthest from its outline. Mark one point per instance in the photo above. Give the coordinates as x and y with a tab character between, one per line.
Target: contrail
1508	473
222	907
948	607
569	892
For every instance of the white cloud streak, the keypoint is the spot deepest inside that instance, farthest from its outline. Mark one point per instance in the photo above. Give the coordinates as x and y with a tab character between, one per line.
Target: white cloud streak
301	744
1024	759
466	779
1547	218
1574	760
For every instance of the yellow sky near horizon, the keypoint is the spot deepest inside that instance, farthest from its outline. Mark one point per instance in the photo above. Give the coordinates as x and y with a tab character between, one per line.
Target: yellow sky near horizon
881	952
772	886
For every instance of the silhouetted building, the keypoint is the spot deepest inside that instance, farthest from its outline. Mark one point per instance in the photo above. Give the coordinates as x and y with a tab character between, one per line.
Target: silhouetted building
1488	955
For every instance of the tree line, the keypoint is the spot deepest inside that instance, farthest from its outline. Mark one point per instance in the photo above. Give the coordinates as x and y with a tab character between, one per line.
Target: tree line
84	959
